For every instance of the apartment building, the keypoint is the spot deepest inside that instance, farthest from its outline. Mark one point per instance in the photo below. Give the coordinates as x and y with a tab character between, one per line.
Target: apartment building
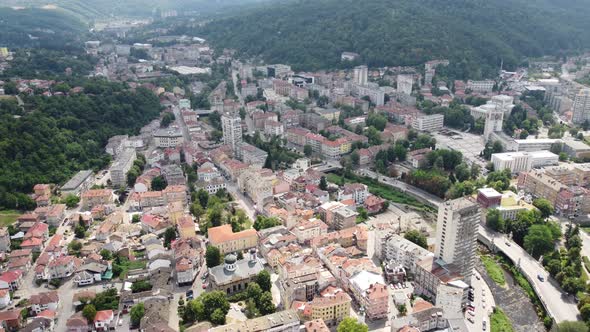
540	184
480	86
95	197
429	122
399	251
79	183
456	233
231	125
121	166
168	137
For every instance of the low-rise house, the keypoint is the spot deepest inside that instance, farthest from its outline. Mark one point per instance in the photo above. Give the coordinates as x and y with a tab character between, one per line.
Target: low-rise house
43	301
374	204
56	214
11	280
12	319
154	224
186	227
4	239
77	323
103	320
62	267
4	298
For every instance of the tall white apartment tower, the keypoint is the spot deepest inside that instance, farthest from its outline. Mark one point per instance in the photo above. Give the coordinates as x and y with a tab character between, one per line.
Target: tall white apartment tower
360	75
581	107
231	124
456	234
405	83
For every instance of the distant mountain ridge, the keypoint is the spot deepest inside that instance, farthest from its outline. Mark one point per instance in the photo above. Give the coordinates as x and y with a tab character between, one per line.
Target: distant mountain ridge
477	34
33	27
89	10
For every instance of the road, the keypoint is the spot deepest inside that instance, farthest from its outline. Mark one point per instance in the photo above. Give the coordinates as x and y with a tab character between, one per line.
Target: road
179	120
560	306
404	187
244	202
234	78
484	302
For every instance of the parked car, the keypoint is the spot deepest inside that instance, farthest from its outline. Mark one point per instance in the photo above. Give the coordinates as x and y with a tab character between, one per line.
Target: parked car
189	294
470	320
204	286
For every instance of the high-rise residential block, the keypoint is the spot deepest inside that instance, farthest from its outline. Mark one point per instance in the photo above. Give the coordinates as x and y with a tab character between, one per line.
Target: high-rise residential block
456	234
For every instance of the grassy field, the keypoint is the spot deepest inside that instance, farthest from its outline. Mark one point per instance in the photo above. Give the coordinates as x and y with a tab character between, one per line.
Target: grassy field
494	270
8	217
378	189
500	322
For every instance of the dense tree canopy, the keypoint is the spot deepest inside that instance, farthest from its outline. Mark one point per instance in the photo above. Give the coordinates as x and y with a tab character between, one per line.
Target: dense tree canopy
62	135
312	34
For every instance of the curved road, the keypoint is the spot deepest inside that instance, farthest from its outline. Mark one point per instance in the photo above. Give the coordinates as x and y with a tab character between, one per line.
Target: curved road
560	306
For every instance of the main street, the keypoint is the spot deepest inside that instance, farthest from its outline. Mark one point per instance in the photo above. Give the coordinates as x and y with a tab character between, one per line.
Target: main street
560	306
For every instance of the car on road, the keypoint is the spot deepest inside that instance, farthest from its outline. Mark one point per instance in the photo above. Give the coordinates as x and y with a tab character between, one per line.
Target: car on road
477	277
484	325
540	277
507	243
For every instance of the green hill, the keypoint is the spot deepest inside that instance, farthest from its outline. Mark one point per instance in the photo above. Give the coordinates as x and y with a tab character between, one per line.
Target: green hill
475	34
90	10
39	28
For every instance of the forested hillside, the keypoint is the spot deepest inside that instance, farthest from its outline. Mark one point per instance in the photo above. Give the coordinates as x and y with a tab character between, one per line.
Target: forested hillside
58	136
90	10
40	28
311	34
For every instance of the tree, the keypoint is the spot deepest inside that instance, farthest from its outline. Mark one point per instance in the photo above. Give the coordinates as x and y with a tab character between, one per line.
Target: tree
251	309
417	238
263	222
585	312
159	183
402	309
203	197
218	317
572	326
214	216
355	158
495	221
137	312
265	304
462	172
213	301
254	291
136	218
350	324
106	255
323	183
141	286
80	232
307	150
167	119
197	211
539	240
544	206
363	214
169	236
89	312
263	280
71	201
212	256
475	170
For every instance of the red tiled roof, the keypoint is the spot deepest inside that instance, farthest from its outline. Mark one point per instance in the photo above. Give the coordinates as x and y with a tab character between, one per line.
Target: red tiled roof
103	315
